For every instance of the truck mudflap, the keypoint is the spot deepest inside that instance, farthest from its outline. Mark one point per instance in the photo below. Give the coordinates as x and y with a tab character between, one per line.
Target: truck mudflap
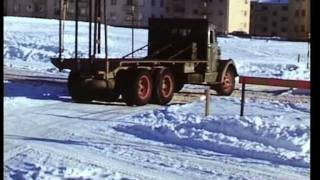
223	67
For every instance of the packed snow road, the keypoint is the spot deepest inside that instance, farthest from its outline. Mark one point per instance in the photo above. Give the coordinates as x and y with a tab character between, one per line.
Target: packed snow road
47	136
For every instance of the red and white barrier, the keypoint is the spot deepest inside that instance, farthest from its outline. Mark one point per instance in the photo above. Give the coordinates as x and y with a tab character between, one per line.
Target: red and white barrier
269	82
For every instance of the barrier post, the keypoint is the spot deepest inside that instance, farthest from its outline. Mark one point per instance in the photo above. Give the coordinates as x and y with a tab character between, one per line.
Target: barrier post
242	98
207	108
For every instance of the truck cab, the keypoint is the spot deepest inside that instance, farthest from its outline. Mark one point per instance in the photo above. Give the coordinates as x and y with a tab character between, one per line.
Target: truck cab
192	40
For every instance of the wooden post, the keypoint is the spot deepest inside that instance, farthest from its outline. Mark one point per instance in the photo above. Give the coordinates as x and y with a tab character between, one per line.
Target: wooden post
308	55
242	98
132	30
207	109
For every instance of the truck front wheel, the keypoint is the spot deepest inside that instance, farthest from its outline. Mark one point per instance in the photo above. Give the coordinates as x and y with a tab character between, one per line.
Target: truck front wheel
228	83
77	90
164	86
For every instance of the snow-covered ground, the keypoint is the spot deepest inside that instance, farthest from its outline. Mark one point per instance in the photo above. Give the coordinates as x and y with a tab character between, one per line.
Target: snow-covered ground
46	136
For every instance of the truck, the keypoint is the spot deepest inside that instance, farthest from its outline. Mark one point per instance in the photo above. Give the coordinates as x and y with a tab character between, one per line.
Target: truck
179	51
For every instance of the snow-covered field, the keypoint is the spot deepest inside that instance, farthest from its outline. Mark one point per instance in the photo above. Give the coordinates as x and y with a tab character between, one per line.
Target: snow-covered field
46	136
29	44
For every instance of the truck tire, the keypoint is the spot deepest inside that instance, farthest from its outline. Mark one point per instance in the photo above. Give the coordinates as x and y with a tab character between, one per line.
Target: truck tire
164	86
139	89
76	88
228	83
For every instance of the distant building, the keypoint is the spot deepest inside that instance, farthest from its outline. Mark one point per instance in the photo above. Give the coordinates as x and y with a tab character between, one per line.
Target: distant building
289	19
299	19
26	8
119	12
269	19
227	15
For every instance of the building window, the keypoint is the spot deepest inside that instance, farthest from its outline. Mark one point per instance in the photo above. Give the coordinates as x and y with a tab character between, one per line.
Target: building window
70	10
302	29
161	3
274	13
245	13
56	11
16	7
113	16
195	11
264	18
41	8
296	28
113	2
264	8
140	16
179	9
140	2
297	13
220	13
303	13
284	8
221	1
283	19
274	24
246	1
129	2
153	2
29	8
168	9
129	17
264	29
83	11
274	34
283	29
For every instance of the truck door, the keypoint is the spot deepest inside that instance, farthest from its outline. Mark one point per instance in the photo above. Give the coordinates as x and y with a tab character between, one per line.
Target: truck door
212	55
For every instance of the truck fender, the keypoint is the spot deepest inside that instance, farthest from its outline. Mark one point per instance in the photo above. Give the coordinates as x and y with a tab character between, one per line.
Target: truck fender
223	66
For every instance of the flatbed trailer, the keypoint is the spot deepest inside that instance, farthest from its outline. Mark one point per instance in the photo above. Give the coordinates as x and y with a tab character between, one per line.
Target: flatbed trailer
180	51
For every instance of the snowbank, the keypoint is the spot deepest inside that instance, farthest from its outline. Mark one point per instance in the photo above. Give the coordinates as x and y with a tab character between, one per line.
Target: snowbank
248	137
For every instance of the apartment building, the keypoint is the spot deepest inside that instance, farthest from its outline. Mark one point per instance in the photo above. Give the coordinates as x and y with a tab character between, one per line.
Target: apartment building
289	19
269	19
227	15
299	19
26	8
119	12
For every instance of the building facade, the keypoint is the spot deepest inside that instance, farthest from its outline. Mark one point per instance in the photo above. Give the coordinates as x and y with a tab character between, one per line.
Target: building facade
299	19
289	19
269	19
119	12
227	15
26	8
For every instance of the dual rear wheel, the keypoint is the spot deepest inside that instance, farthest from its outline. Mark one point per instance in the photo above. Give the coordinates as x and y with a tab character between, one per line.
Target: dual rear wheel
143	87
